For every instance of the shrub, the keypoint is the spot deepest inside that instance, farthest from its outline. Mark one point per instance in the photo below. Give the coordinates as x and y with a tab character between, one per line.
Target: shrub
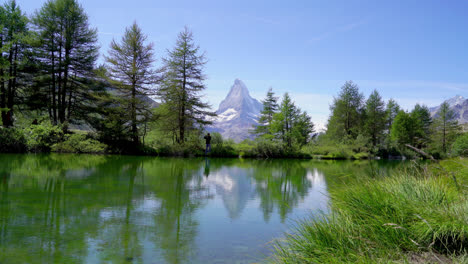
221	147
79	143
267	148
41	137
460	146
12	140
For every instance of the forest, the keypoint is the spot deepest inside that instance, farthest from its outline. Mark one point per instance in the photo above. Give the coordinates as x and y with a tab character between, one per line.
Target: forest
55	98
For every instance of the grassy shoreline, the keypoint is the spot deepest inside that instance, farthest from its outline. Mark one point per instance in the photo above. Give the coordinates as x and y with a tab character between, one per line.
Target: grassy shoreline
418	215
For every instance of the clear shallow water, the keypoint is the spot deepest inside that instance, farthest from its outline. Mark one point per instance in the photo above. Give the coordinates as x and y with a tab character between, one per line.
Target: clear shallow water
120	209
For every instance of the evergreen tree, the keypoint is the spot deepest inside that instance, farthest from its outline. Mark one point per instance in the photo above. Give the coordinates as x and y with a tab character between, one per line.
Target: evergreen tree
391	112
13	35
183	81
347	112
130	68
290	125
446	127
375	117
403	129
283	121
66	52
270	107
303	128
422	118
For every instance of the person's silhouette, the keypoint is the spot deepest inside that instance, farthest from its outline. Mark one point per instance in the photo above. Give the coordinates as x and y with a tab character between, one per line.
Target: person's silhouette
208	143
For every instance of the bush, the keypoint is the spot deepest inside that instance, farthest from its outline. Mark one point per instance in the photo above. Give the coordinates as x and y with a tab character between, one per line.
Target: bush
12	140
330	151
221	147
79	143
460	146
245	148
41	137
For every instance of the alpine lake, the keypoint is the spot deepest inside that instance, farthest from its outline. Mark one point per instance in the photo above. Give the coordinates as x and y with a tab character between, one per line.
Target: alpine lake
69	208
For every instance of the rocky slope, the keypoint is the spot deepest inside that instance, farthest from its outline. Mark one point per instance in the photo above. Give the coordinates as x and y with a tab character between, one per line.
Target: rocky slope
237	113
459	105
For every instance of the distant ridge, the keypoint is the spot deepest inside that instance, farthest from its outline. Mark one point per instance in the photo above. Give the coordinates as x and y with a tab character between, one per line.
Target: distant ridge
459	105
237	113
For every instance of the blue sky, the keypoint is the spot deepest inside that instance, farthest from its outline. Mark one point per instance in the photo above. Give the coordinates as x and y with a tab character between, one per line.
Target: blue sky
412	51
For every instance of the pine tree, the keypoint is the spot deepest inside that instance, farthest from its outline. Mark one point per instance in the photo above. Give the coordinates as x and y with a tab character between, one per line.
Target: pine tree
13	35
130	65
66	51
182	82
375	117
270	107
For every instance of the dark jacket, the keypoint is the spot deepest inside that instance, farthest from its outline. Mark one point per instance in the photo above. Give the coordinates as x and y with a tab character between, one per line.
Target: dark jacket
208	139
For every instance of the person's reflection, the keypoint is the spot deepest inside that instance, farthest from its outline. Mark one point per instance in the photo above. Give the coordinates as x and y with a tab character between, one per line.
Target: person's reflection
207	168
4	206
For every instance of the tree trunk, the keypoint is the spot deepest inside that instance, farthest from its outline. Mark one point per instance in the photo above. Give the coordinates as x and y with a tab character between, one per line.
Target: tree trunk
182	114
2	91
54	99
59	93
65	84
134	118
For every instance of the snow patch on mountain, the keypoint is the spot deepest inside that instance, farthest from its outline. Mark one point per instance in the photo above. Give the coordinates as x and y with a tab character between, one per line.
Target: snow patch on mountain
237	113
459	105
227	115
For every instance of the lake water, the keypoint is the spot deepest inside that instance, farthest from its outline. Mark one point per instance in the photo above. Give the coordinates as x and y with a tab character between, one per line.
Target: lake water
121	209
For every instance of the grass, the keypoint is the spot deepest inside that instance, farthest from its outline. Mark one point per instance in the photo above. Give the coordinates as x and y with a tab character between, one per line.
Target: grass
417	215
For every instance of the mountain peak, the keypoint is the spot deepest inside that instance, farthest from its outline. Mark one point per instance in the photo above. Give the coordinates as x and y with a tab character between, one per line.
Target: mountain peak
238	98
237	113
238	81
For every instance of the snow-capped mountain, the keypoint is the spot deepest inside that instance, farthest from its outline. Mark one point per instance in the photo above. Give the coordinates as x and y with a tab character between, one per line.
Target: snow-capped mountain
459	105
237	113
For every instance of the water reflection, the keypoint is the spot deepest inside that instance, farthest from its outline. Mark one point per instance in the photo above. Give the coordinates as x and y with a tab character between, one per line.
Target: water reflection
93	209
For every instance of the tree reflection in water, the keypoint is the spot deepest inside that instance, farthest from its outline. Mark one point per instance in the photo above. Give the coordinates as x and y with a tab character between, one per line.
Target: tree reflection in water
92	209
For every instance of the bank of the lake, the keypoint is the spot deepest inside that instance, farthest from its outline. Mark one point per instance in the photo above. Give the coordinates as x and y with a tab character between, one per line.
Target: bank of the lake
416	215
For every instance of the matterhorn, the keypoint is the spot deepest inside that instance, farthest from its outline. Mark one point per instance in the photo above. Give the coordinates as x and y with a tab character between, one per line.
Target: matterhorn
237	113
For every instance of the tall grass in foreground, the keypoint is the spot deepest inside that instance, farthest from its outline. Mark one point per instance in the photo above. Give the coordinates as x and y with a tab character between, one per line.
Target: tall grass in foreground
393	219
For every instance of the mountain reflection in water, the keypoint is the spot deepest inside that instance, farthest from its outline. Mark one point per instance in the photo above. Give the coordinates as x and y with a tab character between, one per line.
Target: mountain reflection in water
123	209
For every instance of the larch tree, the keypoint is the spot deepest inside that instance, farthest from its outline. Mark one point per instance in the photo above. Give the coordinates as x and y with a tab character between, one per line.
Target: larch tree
422	125
182	83
375	117
290	125
130	68
303	128
283	121
270	107
391	111
403	129
13	34
446	127
66	51
346	109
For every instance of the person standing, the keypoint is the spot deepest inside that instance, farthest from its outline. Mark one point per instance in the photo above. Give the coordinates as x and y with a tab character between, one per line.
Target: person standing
208	143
